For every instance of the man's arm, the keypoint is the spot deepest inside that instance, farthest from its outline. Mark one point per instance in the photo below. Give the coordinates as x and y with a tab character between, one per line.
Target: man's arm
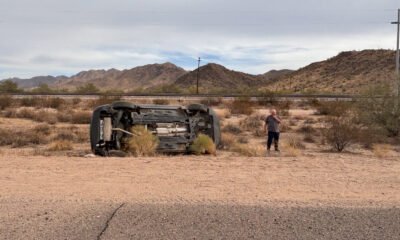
277	119
265	126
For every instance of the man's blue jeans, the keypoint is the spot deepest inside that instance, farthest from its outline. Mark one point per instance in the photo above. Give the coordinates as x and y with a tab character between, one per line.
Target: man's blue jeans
273	137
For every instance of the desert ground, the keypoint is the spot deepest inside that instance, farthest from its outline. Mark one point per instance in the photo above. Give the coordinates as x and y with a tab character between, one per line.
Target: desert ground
52	188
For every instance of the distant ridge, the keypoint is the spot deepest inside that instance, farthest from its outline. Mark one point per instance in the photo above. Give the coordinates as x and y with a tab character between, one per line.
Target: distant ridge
348	72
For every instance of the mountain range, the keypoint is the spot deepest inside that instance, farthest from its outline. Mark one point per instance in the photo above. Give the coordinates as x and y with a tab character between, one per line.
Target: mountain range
348	72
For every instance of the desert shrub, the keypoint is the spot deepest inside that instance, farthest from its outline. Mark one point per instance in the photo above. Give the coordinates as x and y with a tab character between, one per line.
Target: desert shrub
9	86
230	128
248	150
241	105
382	150
37	116
88	88
29	102
55	103
283	107
340	132
333	108
65	135
203	144
283	127
292	147
252	122
379	109
309	138
80	117
64	116
227	139
43	128
21	138
215	101
60	145
267	98
76	101
242	139
143	143
161	101
306	129
5	101
103	100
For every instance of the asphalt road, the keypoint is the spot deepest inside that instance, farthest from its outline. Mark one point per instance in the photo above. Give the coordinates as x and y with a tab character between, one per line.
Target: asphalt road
33	219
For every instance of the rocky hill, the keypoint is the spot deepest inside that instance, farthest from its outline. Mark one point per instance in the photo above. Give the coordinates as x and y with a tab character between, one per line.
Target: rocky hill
348	72
138	77
214	76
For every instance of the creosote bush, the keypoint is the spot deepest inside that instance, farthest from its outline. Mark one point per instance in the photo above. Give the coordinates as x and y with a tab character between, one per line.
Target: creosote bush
241	105
143	143
61	145
5	101
203	144
230	128
21	138
340	132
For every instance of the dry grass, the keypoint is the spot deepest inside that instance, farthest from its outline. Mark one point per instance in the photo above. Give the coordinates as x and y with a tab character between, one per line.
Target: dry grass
230	128
203	144
81	117
382	150
228	139
252	122
21	138
143	143
249	150
60	145
292	147
43	128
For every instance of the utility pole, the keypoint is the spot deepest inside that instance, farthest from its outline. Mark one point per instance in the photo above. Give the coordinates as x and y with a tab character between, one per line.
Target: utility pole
397	85
198	75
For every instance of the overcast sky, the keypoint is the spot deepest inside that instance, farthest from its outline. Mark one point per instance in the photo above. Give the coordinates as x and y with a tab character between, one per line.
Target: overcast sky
63	37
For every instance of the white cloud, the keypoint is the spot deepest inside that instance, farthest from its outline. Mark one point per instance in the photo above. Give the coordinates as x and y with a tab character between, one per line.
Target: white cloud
65	37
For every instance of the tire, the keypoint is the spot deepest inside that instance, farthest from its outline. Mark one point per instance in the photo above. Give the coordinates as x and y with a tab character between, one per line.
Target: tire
123	105
95	130
198	108
216	128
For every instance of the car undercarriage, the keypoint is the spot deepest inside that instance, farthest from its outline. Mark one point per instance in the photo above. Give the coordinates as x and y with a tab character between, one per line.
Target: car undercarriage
175	126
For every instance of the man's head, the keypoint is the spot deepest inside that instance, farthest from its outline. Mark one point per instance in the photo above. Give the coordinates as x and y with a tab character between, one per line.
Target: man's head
273	112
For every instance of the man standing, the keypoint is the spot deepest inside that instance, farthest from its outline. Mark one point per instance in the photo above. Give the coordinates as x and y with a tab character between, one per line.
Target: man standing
272	123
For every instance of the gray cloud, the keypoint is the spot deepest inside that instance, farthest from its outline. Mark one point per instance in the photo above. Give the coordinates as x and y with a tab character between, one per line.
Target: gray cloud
63	37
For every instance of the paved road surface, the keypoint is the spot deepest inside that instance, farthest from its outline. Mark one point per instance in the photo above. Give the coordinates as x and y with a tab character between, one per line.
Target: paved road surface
32	219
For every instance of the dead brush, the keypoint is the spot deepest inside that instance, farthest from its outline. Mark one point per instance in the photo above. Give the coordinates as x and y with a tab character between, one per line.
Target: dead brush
5	101
248	151
228	139
382	150
230	128
21	138
60	145
203	144
81	117
142	143
292	147
241	105
252	122
43	128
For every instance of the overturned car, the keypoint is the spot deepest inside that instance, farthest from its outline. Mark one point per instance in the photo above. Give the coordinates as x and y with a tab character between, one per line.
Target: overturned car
175	126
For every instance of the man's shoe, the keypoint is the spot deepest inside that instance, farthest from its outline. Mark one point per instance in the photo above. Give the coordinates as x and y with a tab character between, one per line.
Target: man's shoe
277	150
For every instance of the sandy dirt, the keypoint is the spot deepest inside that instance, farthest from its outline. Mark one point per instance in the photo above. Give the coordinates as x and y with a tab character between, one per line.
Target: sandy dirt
339	179
331	196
